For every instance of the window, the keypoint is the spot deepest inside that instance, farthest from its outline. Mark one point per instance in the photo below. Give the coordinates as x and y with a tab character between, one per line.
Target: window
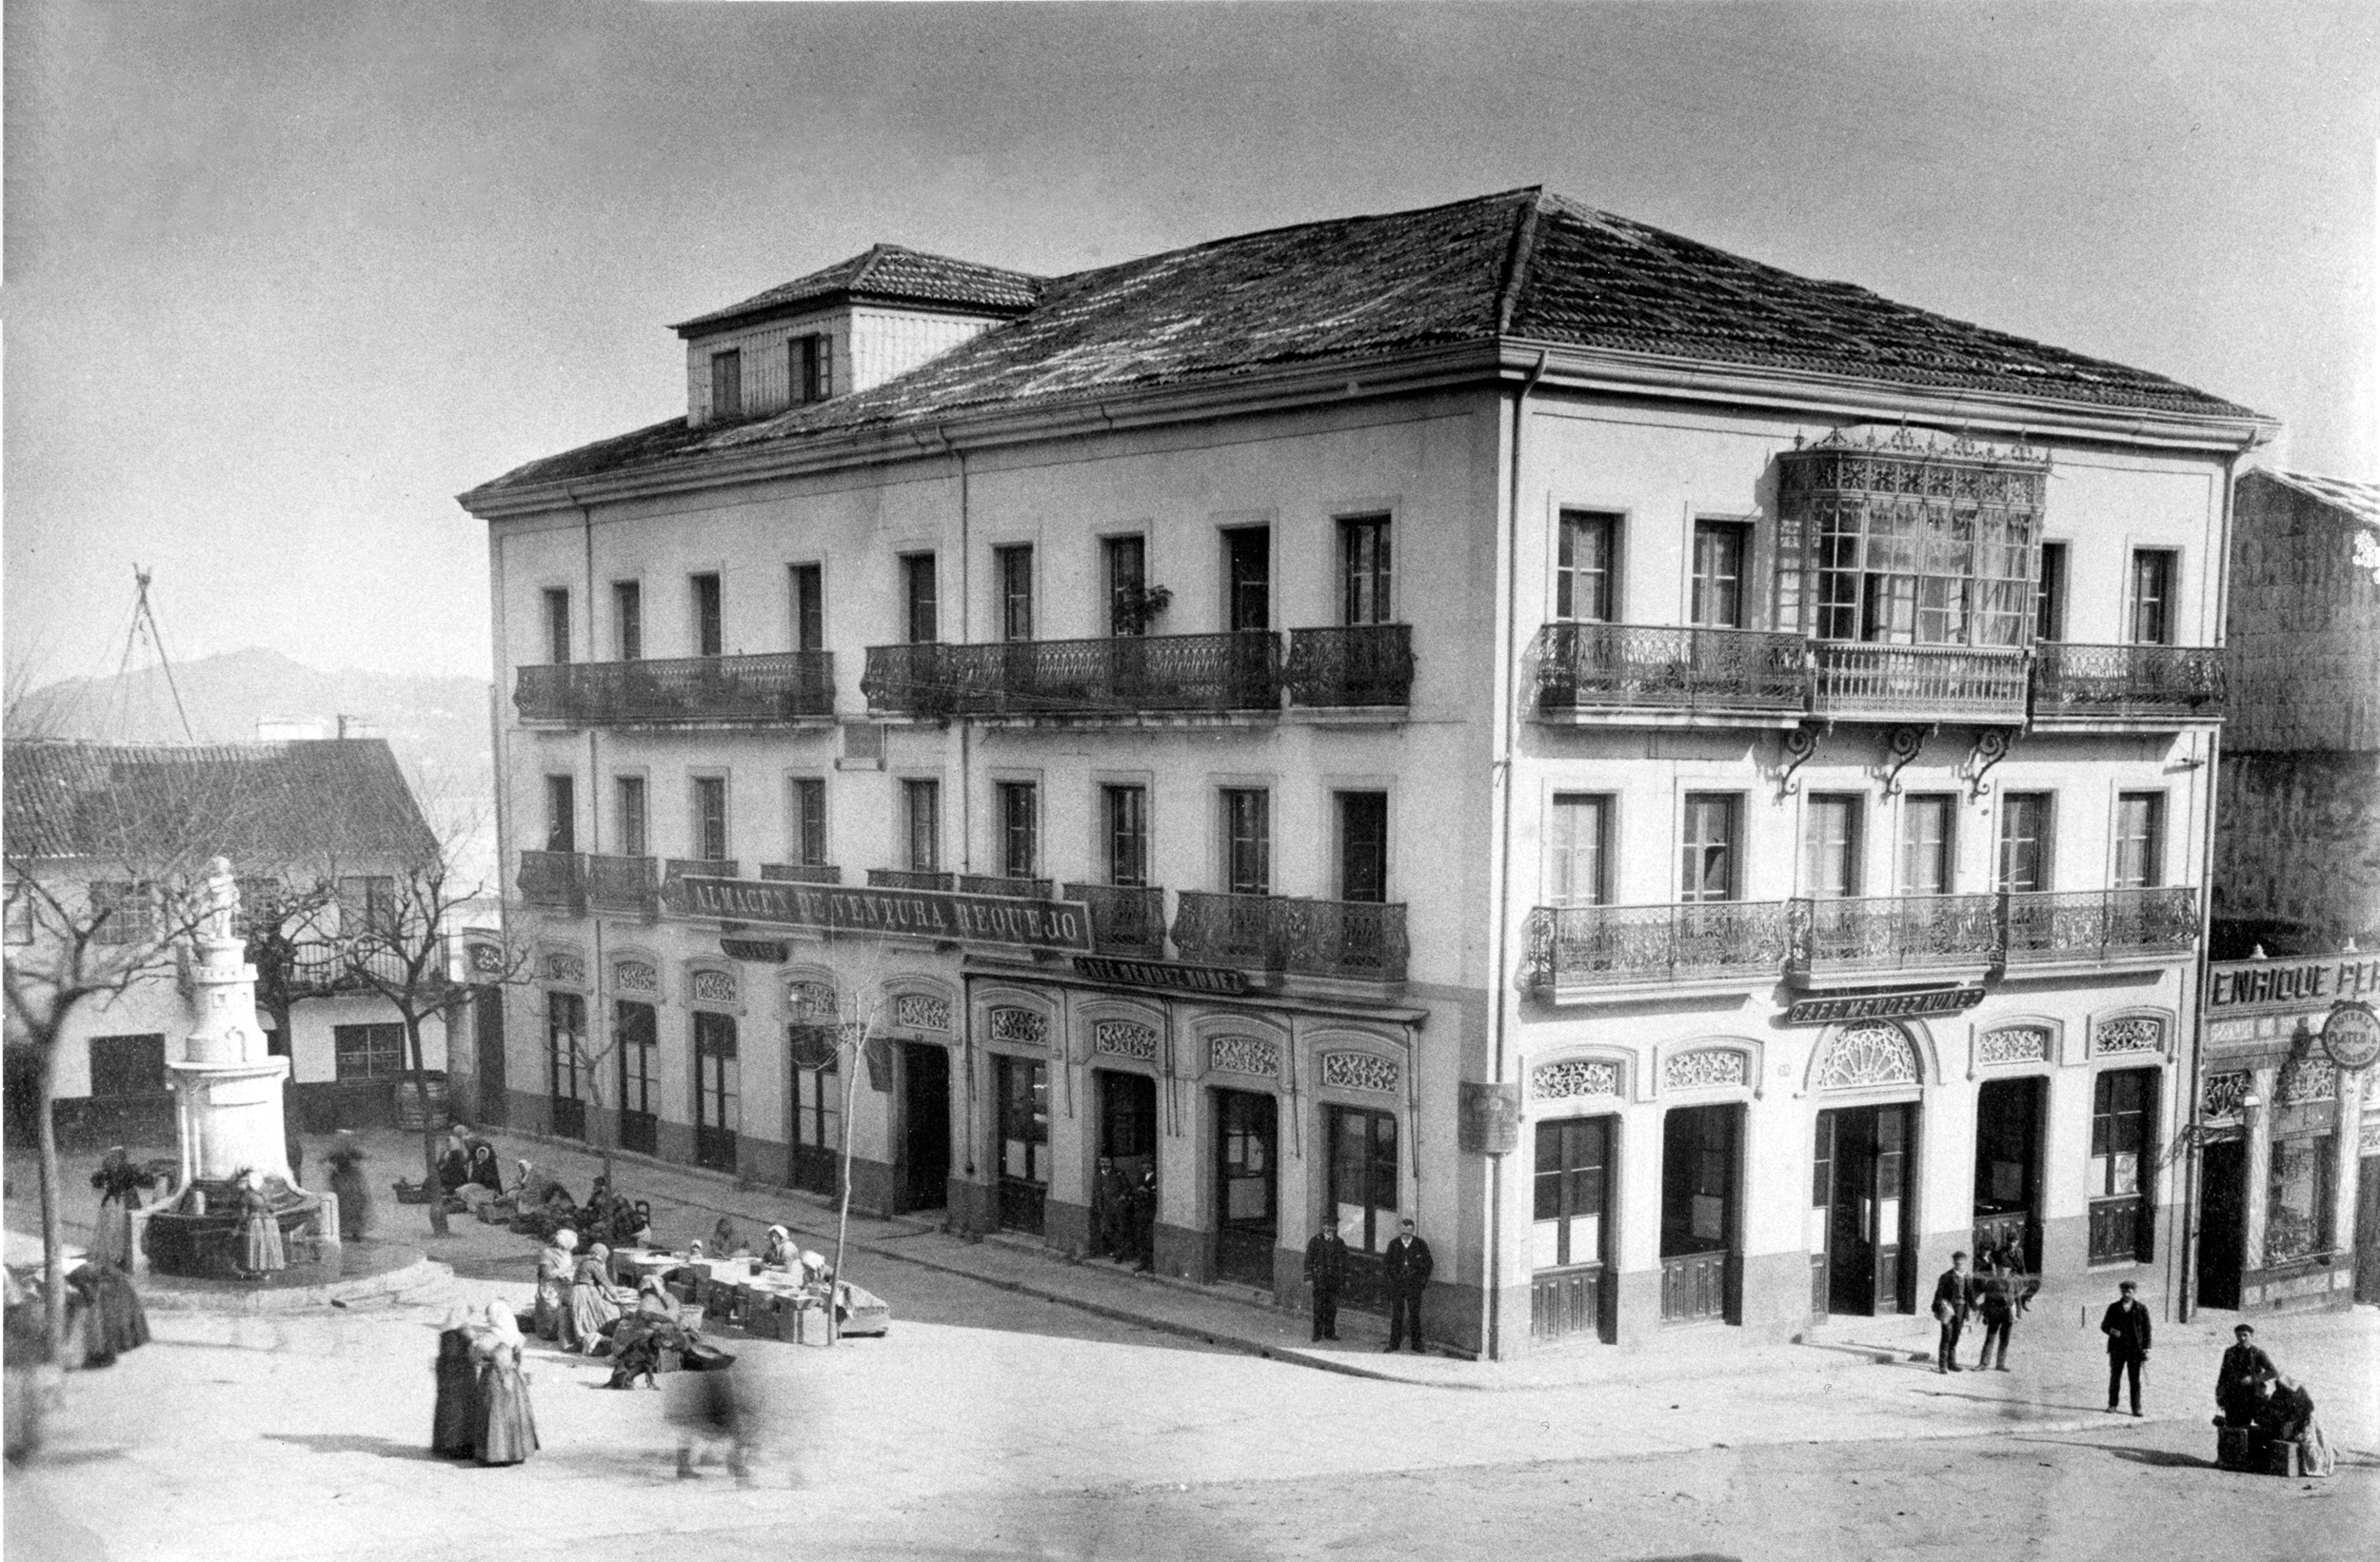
921	811
1019	828
718	1086
1893	573
808	796
561	809
132	1065
809	608
1929	849
917	592
368	1052
710	818
707	625
1126	813
1363	846
1248	577
123	912
565	1041
1719	581
1832	845
1024	1086
1583	551
1247	842
1014	568
2297	1204
1708	869
629	792
1364	563
367	904
2123	1103
1573	1154
2152	596
2139	840
1128	561
557	625
1579	837
2025	841
810	367
2049	612
640	1075
727	384
1362	1191
818	1105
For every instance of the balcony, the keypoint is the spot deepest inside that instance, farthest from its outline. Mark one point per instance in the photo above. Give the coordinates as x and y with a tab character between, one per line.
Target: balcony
1124	676
554	880
2099	925
2133	686
1351	940
1896	932
1583	668
802	873
770	689
1575	948
1125	921
910	879
1908	682
1014	889
327	976
630	884
1359	666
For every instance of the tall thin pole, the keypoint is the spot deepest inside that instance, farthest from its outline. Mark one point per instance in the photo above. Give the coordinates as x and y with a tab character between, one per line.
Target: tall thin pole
843	1219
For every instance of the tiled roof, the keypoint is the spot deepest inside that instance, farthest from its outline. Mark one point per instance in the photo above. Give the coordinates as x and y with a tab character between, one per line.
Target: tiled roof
1522	266
889	271
266	806
2360	501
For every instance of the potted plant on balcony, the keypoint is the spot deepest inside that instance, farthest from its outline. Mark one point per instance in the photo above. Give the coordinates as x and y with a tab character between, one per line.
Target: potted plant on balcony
1132	610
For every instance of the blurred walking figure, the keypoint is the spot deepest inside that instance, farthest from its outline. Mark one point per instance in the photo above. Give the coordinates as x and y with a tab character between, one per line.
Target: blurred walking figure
506	1431
454	1420
105	1312
119	1183
706	1405
1145	1220
347	1185
1111	1194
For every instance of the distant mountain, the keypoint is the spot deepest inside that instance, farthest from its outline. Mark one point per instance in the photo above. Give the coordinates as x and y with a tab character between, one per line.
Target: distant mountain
437	726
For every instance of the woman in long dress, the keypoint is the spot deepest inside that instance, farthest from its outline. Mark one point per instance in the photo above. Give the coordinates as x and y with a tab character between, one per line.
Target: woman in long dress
119	1183
454	1422
554	1285
260	1231
2292	1409
591	1306
347	1184
112	1320
508	1426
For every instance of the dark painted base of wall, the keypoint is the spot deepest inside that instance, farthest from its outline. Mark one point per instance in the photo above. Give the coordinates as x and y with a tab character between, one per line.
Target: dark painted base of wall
2323	1285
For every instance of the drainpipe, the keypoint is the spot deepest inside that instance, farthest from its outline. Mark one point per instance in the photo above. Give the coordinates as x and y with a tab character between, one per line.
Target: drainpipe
1501	767
594	777
966	634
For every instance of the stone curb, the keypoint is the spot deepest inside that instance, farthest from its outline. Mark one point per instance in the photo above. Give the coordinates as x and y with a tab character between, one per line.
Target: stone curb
419	1275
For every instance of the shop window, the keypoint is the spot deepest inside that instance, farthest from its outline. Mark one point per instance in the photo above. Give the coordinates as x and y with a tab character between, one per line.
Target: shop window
2297	1206
1363	1177
1574	1160
368	1052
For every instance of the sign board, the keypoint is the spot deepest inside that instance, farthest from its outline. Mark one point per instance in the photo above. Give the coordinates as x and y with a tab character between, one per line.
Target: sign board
2240	986
486	959
893	913
2352	1035
1824	1010
756	951
1490	1124
1165	974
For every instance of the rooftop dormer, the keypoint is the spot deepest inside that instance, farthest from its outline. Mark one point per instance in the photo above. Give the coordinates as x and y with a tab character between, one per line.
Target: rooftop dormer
850	325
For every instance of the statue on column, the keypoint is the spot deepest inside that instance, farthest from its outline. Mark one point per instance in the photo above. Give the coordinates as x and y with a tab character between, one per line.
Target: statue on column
219	900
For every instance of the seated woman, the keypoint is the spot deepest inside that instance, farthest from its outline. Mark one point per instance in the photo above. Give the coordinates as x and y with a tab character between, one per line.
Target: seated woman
640	1224
781	1251
486	1170
726	1243
2288	1416
454	1169
554	1267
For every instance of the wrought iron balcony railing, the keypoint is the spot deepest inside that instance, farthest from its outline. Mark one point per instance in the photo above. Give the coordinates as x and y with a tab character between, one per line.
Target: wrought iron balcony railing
1360	940
1620	946
1015	889
1858	679
774	686
623	884
802	873
1122	676
2097	923
1357	666
2139	682
1629	666
554	879
909	879
1125	921
1896	932
313	975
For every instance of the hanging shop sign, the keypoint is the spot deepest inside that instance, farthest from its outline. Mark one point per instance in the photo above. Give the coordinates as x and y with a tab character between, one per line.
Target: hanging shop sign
1490	1123
1165	974
2352	1035
2235	986
757	950
1825	1010
893	913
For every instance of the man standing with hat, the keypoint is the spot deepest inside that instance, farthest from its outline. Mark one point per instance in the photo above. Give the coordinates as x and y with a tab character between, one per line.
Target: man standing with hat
1408	1264
1326	1271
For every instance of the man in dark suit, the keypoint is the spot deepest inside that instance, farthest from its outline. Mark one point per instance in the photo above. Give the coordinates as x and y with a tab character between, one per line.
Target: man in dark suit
1144	1219
1954	1297
2126	1324
2239	1386
1326	1271
1407	1266
1111	1194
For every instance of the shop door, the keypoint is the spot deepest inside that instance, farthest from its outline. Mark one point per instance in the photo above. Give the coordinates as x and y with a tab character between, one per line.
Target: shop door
924	1127
1866	1149
718	1088
1021	1093
566	1046
2367	1231
639	1041
2222	1221
488	1032
1247	1186
1698	1213
2008	1172
1362	1192
1572	1208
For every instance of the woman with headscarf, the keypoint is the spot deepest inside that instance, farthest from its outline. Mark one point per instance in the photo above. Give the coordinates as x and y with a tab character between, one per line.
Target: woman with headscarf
641	1225
119	1183
636	1344
508	1426
486	1170
347	1185
554	1285
260	1250
591	1306
781	1253
107	1311
454	1422
2288	1416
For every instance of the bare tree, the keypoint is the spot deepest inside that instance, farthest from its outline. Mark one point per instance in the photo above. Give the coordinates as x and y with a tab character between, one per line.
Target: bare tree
289	945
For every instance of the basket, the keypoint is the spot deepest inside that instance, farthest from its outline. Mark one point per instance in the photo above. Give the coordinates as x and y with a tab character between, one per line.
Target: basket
410	1193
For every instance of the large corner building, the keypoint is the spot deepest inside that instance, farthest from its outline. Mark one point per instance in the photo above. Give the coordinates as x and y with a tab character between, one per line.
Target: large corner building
1690	781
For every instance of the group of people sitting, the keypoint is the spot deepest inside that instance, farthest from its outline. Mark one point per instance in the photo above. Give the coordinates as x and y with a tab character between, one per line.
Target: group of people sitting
2271	1406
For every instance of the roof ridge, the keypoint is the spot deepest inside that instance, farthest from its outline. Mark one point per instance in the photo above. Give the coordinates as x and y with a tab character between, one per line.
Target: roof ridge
1518	261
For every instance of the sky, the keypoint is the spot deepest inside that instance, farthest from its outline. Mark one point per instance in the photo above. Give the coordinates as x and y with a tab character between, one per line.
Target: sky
282	280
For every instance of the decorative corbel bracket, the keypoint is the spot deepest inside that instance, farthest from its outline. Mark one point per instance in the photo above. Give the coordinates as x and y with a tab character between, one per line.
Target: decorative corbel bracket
1991	746
1801	744
1901	751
